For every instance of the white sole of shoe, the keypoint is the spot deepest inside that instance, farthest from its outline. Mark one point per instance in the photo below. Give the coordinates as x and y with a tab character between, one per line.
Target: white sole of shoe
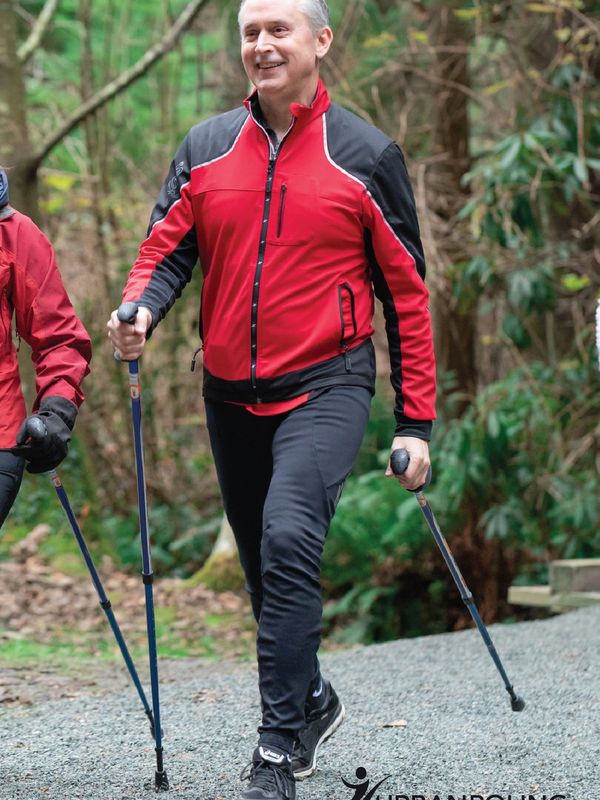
311	768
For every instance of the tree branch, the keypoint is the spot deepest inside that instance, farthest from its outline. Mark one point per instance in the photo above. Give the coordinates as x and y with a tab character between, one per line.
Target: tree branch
25	51
124	80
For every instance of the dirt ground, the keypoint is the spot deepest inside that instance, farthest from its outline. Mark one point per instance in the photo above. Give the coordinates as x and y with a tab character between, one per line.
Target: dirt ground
55	641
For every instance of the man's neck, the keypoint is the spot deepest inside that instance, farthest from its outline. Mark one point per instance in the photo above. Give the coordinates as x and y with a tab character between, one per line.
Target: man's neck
277	117
277	113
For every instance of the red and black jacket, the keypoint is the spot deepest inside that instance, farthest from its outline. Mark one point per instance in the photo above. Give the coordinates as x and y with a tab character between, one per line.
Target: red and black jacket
32	291
292	241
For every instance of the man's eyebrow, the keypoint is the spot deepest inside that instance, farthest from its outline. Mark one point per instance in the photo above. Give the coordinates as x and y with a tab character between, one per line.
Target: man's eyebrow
273	23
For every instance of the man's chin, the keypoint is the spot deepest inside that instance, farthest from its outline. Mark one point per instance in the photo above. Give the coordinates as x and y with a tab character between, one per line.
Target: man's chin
271	86
277	75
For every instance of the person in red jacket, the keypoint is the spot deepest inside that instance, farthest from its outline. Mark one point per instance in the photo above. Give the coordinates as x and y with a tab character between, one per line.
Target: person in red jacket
299	213
31	292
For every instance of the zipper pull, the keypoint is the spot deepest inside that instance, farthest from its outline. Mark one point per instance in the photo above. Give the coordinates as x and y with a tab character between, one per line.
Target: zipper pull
199	350
281	209
347	360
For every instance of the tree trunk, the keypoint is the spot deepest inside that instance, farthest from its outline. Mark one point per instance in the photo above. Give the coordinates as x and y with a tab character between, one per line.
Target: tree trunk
455	327
222	571
15	150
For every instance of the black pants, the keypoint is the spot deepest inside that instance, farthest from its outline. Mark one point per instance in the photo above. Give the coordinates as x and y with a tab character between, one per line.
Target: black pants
11	473
281	478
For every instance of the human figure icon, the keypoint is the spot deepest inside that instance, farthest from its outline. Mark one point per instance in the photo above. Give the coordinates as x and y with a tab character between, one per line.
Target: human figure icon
362	789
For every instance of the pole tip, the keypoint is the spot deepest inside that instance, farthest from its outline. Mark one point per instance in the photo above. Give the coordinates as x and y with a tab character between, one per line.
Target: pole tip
517	704
161	782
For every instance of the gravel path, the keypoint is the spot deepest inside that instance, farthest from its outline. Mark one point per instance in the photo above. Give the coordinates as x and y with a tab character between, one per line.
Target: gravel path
460	737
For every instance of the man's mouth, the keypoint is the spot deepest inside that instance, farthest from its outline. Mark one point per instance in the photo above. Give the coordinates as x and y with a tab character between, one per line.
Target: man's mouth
271	66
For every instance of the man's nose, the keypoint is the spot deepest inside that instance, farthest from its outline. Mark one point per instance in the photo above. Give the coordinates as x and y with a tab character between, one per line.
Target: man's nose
264	41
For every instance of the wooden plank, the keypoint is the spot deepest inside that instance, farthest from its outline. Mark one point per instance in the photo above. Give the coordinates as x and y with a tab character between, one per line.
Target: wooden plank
575	575
529	595
543	597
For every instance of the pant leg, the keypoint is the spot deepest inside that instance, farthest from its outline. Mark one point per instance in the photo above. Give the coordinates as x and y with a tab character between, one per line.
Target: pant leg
314	449
11	473
241	446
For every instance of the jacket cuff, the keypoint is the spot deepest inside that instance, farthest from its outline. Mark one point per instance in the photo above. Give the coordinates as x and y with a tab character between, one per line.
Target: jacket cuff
419	428
155	315
62	407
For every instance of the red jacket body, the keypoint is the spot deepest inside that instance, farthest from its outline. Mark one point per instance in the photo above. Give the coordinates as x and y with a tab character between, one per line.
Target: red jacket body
293	241
31	291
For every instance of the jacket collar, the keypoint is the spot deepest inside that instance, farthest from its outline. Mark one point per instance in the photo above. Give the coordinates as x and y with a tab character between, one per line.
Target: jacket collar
301	112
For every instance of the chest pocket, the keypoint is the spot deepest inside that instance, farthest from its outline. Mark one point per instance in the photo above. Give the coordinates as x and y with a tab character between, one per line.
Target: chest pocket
294	211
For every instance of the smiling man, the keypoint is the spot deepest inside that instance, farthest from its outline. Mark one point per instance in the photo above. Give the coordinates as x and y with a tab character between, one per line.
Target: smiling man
299	213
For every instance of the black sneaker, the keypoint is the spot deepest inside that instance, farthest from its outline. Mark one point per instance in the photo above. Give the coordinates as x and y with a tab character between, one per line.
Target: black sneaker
319	726
270	775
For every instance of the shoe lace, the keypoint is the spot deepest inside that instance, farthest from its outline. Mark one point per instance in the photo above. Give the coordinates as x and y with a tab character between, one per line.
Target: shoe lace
265	775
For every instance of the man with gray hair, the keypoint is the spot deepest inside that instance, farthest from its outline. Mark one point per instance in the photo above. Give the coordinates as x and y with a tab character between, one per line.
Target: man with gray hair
316	12
299	212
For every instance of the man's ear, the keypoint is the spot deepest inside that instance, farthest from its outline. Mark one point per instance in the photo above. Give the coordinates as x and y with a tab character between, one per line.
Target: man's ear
324	40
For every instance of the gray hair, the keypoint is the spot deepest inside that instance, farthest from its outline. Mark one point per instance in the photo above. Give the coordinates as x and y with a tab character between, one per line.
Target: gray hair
317	12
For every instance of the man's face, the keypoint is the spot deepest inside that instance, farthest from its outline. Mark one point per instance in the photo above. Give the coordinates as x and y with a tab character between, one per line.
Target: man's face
280	52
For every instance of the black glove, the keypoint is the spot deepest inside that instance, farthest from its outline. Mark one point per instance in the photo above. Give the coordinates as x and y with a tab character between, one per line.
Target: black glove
45	452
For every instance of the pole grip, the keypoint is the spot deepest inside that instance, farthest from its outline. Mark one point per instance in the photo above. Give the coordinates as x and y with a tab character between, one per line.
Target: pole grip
36	429
127	312
399	461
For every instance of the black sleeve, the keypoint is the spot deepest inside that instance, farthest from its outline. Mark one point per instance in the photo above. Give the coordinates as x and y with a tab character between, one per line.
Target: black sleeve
170	252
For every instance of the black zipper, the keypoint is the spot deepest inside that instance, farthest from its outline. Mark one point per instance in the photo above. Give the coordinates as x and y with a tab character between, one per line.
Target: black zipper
200	328
258	272
281	209
273	154
344	339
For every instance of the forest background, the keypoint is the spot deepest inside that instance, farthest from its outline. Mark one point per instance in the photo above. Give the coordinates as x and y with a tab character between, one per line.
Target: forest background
496	106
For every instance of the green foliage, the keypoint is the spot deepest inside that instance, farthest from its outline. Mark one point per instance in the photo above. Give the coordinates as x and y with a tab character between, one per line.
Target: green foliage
523	174
508	454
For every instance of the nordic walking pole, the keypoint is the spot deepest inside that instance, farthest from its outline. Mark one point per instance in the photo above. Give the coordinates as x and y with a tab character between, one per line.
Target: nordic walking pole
400	460
37	430
127	313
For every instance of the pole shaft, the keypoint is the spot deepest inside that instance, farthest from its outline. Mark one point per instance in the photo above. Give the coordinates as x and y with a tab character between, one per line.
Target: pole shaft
102	596
465	594
138	443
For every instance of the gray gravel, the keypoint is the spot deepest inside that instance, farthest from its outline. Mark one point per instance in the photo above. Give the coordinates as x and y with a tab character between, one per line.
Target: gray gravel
460	738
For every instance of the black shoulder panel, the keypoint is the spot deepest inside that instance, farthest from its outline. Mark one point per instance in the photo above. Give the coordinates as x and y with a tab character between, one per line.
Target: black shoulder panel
204	142
354	145
215	136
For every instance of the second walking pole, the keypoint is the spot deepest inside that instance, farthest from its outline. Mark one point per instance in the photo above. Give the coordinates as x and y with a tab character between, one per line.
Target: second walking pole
399	463
37	430
127	313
